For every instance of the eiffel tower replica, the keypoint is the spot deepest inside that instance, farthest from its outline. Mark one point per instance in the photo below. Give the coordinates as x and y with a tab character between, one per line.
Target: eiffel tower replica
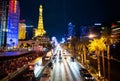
40	30
39	33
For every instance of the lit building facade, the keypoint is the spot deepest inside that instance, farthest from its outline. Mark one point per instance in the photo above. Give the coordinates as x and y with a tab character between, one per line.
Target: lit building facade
22	31
40	30
83	30
13	23
3	21
116	29
0	11
71	30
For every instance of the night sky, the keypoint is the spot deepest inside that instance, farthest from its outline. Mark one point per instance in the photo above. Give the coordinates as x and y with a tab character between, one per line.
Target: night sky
58	13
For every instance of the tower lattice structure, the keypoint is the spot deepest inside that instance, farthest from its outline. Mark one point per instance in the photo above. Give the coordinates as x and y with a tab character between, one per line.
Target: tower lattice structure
40	30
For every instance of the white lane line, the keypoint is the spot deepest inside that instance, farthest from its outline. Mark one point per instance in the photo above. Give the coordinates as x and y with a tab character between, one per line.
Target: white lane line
68	71
75	70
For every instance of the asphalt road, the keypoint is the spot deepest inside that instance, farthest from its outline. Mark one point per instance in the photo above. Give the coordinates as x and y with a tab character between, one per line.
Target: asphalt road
64	69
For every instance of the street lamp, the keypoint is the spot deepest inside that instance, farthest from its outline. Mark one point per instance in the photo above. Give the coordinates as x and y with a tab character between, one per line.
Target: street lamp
91	36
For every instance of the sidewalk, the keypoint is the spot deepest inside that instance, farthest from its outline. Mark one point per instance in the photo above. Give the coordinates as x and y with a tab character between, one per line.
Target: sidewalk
93	72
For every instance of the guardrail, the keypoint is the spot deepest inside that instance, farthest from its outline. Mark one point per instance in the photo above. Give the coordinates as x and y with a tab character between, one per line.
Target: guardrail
39	76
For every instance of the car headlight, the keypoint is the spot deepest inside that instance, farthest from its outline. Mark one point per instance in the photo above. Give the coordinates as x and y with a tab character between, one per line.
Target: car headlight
86	77
92	77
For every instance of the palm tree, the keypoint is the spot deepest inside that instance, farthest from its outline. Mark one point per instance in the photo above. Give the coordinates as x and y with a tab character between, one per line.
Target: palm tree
109	39
83	49
97	45
79	50
74	45
79	47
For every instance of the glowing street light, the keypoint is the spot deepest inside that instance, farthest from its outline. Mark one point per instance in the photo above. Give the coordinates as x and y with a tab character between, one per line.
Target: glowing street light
92	36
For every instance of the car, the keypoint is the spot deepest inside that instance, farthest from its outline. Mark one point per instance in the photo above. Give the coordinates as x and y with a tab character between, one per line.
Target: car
47	58
86	75
54	57
72	59
59	54
45	75
50	64
65	57
60	57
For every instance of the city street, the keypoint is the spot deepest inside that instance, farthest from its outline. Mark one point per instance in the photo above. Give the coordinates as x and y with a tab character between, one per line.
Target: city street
64	69
44	40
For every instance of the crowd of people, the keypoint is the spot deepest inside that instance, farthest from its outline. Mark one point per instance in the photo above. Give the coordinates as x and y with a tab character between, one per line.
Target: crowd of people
8	66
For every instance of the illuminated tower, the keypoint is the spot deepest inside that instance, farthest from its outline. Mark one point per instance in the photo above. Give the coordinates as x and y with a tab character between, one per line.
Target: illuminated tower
3	21
40	31
22	31
71	29
13	23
